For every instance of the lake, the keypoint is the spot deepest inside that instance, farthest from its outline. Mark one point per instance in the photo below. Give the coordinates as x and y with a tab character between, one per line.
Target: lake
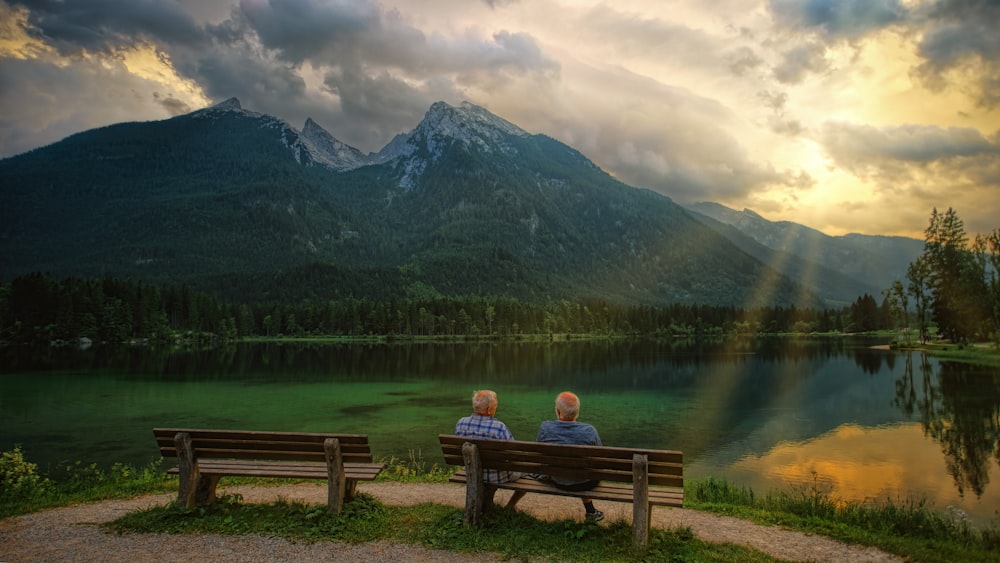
788	414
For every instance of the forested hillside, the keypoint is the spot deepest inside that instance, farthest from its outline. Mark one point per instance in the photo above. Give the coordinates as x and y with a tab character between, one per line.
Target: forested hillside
238	205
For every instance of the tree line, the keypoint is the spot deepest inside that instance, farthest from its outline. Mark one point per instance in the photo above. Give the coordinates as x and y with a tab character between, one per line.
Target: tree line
38	308
953	285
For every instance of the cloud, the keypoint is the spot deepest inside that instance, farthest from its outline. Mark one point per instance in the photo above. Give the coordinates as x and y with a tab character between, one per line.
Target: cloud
172	104
657	136
960	47
638	35
852	145
495	3
799	61
743	60
108	92
105	25
838	19
301	30
923	165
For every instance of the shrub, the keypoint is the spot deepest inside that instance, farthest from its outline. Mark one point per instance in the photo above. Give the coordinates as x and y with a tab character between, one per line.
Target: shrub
19	478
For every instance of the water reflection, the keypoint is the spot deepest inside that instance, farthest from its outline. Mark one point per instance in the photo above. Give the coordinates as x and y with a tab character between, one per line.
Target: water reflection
764	412
959	409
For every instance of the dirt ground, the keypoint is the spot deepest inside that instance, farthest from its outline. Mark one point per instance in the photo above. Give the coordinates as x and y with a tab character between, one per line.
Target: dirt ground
72	534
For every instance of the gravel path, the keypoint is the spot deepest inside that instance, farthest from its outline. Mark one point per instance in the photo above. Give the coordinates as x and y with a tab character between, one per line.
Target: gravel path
72	534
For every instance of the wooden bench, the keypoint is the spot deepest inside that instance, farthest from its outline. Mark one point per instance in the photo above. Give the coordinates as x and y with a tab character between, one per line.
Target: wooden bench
203	456
646	478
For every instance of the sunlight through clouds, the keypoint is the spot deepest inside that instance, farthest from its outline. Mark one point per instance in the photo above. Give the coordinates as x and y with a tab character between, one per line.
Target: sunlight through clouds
736	103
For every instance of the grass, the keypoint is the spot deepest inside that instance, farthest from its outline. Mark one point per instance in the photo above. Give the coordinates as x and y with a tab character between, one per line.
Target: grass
911	530
512	534
980	354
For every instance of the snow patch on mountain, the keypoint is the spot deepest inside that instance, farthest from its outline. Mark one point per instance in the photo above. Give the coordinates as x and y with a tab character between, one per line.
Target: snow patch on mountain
329	150
442	126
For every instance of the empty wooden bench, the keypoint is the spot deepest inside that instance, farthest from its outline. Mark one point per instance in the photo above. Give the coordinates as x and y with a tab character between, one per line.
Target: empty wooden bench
204	456
646	478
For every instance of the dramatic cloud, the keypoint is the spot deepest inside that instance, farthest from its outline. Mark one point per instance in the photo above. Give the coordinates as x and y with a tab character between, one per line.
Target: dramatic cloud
961	38
845	19
941	167
864	145
106	25
824	112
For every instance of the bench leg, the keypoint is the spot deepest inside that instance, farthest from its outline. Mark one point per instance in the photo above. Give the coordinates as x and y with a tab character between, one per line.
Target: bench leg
187	465
641	509
475	488
205	491
336	479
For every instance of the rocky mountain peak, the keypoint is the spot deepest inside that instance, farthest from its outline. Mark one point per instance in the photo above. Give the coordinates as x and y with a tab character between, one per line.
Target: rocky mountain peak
230	104
330	151
442	126
468	123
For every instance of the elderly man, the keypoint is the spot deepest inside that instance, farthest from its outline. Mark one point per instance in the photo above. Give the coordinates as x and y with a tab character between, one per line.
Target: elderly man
566	430
482	424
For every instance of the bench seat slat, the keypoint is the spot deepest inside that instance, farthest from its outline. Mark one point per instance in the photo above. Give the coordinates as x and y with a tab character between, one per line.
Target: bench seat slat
253	435
615	492
319	456
492	457
353	471
261	445
583	470
454	444
245	444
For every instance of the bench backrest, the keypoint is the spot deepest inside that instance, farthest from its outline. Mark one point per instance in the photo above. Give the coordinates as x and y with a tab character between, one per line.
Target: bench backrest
249	444
605	463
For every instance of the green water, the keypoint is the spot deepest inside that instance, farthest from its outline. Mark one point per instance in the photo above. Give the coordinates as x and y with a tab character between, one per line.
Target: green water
786	413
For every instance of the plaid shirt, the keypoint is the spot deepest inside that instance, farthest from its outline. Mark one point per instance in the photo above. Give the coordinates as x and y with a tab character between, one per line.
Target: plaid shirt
478	426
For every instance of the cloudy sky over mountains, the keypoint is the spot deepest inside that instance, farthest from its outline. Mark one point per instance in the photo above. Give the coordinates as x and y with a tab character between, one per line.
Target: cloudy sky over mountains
847	116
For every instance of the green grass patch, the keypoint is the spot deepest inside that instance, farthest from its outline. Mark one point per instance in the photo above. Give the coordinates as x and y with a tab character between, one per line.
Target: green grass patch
984	354
910	529
512	534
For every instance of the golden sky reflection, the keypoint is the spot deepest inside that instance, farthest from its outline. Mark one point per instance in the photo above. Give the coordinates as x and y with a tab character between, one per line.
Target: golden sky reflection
858	464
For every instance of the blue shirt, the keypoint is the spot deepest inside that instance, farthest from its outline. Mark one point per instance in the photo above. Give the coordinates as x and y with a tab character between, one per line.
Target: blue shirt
568	432
479	426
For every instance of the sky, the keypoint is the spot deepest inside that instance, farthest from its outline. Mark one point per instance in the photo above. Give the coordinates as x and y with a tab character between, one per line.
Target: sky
849	116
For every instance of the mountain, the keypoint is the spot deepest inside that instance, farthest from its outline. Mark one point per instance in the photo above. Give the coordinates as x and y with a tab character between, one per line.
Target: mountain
838	267
330	151
247	207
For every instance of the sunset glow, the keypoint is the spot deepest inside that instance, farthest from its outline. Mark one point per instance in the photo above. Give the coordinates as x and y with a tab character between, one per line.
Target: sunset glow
833	464
844	116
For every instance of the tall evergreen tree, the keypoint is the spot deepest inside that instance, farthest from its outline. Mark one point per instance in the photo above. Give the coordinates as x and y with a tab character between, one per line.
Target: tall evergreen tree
957	285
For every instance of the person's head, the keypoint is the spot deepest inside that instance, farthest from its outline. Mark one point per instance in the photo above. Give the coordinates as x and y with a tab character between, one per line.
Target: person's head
484	402
567	406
